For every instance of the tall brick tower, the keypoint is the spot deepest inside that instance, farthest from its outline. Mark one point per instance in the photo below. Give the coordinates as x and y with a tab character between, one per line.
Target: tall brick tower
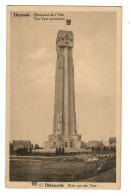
64	128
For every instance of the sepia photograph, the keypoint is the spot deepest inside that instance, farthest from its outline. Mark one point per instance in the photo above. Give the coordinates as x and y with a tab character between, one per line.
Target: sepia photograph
63	98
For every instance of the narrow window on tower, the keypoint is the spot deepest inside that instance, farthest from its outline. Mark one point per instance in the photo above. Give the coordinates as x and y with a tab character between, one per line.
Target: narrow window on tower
58	126
71	144
66	144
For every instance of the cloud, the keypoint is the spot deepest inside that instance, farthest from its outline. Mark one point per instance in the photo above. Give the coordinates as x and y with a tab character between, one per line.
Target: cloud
39	53
42	75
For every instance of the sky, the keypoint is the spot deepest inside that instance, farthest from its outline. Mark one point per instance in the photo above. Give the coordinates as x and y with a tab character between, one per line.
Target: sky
32	75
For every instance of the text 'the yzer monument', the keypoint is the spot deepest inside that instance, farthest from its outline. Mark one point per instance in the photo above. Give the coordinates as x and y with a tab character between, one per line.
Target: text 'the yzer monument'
65	128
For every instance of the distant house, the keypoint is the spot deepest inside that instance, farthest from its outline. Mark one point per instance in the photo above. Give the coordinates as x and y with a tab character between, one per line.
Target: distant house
16	144
112	142
94	144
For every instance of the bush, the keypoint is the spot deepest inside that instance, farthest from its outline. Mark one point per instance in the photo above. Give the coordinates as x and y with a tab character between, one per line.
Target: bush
23	151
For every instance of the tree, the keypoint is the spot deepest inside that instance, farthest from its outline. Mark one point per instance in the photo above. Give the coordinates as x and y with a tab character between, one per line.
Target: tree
11	149
37	146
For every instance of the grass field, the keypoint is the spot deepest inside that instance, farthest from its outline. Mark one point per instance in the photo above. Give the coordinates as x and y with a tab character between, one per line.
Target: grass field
63	168
107	176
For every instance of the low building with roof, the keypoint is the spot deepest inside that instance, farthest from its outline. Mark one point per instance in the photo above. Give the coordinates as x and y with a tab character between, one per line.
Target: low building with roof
17	144
94	144
112	142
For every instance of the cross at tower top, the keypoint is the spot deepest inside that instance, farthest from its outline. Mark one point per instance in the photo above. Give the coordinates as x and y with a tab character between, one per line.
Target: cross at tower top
68	21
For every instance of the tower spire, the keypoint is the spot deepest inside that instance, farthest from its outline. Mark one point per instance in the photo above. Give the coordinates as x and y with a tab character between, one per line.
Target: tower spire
64	128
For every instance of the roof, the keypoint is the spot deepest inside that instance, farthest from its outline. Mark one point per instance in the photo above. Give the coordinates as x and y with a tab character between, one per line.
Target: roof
21	143
94	143
112	139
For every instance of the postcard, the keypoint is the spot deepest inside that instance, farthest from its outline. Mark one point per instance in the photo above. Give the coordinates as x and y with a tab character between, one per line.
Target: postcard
63	98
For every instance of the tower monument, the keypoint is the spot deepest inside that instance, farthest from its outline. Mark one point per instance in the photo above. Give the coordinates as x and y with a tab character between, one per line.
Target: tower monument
64	127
